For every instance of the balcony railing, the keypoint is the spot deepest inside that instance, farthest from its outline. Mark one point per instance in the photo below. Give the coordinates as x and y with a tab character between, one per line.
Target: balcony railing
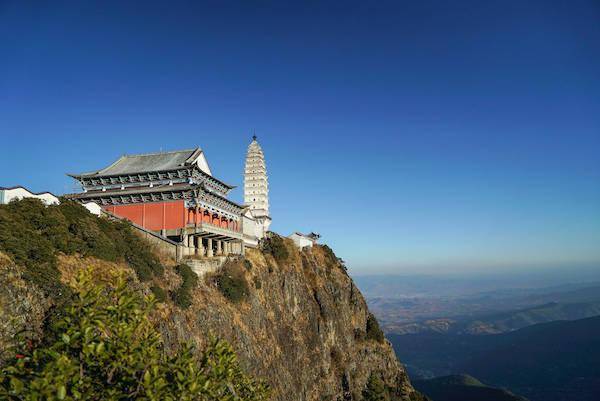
215	229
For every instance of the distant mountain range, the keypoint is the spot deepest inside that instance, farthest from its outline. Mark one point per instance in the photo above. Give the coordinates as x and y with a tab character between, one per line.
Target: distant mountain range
502	322
462	388
556	361
489	312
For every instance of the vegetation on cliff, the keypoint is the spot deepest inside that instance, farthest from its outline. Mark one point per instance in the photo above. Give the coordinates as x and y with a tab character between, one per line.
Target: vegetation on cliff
104	347
33	235
274	245
231	281
183	295
373	330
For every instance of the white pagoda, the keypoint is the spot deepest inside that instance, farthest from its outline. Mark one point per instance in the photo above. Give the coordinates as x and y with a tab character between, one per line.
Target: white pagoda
256	188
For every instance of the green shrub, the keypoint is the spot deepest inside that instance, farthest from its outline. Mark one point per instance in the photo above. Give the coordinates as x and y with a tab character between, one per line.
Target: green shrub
159	294
375	389
33	234
232	283
104	347
183	295
247	264
275	245
373	331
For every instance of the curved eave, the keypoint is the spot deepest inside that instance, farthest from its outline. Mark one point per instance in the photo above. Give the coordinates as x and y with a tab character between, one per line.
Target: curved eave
216	179
107	194
98	175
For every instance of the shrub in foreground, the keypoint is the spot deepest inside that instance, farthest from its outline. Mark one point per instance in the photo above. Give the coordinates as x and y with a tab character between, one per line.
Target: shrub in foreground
105	348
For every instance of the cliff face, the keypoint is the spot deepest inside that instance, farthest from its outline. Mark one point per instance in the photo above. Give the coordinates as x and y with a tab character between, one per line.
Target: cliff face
302	327
301	324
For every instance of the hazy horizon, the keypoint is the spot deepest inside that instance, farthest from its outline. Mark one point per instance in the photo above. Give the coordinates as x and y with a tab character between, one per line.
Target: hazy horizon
413	136
459	284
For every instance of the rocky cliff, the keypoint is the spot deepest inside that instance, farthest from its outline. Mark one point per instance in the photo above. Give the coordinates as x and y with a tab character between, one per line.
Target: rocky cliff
295	319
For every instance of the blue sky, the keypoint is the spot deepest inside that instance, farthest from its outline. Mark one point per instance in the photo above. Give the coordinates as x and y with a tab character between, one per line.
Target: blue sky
414	136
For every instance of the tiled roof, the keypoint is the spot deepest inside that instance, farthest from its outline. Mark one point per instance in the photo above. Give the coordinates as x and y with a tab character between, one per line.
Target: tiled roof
146	162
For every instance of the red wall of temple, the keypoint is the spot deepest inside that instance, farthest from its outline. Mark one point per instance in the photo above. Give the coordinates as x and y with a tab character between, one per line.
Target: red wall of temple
153	216
158	216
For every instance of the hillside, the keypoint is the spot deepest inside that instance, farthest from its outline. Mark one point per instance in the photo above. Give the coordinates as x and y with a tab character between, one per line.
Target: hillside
557	361
462	388
295	319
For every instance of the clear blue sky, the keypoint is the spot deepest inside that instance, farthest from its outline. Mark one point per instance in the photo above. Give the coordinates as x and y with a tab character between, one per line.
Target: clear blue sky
414	136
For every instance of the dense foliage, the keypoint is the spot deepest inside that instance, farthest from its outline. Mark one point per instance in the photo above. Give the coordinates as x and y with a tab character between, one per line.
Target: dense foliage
105	348
33	234
183	295
232	283
373	330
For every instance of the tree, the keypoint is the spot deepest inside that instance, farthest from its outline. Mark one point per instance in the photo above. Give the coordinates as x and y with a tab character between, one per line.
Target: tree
104	347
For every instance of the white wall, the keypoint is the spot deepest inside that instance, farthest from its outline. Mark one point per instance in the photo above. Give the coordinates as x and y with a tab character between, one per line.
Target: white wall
252	230
20	193
301	241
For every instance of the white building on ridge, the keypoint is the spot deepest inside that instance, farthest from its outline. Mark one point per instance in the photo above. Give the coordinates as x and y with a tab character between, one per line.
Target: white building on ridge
19	192
304	240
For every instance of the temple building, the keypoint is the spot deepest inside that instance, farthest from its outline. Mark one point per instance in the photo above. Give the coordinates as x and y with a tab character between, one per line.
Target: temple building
175	195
